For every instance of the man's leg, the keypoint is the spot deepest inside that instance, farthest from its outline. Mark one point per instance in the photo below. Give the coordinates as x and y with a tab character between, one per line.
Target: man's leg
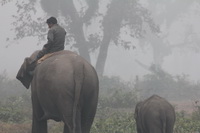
41	53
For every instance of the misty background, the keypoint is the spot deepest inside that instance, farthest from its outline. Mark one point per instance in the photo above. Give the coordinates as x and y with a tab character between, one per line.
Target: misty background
165	33
138	47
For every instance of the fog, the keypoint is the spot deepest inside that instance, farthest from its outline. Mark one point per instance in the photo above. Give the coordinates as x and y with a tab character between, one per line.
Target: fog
138	47
183	59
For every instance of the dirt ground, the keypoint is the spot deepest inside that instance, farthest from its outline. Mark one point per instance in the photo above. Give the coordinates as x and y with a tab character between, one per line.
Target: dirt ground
188	106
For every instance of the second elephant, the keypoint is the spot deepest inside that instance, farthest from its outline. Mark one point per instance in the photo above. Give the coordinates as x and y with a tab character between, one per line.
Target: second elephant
154	115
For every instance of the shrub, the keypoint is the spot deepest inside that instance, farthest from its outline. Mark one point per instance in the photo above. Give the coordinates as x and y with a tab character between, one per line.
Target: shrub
115	93
116	122
186	124
16	109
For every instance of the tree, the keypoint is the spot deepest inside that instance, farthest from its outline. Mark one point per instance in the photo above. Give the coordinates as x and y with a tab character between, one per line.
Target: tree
181	13
117	18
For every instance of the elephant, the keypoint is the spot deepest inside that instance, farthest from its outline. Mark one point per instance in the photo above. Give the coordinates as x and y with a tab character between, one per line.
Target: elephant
64	87
154	115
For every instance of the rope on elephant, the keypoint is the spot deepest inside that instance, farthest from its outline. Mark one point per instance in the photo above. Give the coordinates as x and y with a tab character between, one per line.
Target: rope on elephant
44	57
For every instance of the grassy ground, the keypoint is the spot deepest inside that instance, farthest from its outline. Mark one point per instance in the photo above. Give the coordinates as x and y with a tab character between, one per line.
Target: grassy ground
53	127
14	128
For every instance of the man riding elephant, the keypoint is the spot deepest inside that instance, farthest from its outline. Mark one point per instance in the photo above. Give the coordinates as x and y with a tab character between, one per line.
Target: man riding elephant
64	87
56	39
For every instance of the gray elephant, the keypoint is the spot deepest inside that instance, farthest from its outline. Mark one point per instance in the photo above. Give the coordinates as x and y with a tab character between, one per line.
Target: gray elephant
64	88
154	115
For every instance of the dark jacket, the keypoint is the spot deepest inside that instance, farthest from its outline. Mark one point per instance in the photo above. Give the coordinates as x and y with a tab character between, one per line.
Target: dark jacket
56	39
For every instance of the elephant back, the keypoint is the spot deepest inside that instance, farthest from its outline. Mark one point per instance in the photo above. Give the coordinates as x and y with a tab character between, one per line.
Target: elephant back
156	113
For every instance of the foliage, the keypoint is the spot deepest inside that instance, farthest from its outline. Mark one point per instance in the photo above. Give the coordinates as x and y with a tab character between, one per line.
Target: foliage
9	87
159	82
117	122
15	127
186	124
15	111
14	101
118	99
196	113
118	18
126	13
115	93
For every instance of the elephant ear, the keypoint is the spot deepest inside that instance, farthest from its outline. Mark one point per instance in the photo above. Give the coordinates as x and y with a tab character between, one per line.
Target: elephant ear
25	80
23	75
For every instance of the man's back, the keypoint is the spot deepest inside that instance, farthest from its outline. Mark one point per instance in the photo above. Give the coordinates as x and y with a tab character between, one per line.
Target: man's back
56	39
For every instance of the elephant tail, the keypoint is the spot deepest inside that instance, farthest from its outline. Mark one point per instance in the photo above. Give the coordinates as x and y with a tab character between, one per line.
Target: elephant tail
79	77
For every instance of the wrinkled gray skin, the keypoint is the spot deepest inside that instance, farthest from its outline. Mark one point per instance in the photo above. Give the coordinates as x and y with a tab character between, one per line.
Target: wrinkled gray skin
62	85
154	115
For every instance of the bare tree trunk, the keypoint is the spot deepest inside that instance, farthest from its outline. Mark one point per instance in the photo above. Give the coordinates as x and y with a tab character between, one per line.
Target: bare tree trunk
76	28
80	39
103	51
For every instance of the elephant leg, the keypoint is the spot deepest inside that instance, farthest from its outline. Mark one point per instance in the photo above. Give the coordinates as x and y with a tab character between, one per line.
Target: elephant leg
39	126
66	111
170	126
66	129
86	124
88	114
68	124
